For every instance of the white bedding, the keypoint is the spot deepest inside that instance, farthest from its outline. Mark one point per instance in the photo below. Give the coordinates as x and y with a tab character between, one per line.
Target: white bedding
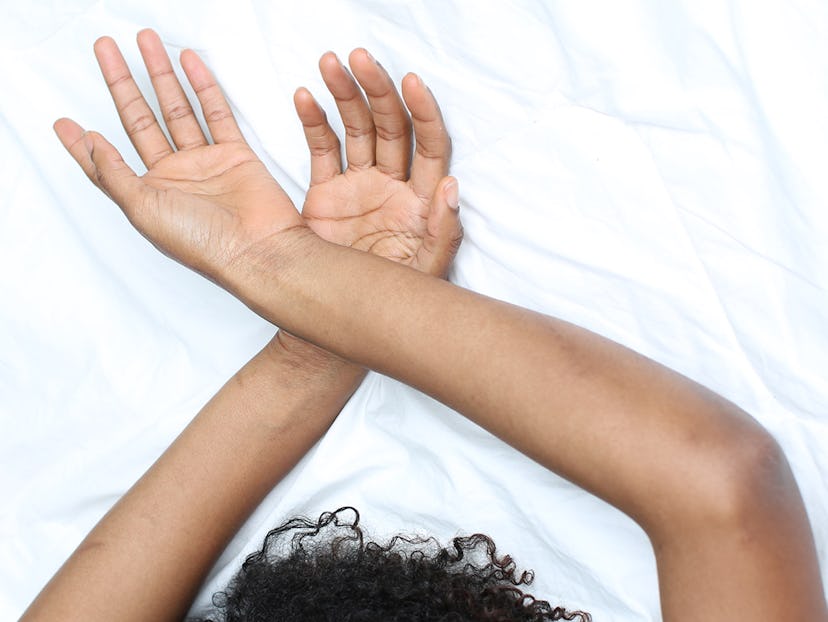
653	171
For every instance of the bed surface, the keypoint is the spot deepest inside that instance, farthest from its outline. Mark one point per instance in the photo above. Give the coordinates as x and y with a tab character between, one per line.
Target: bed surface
655	172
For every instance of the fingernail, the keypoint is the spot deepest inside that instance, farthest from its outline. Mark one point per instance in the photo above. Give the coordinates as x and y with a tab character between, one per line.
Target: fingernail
452	195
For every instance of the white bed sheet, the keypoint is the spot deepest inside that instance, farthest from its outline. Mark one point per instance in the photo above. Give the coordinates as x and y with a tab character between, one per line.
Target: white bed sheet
653	171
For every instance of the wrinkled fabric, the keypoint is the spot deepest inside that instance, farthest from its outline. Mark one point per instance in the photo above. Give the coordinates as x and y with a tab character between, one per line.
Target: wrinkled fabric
655	172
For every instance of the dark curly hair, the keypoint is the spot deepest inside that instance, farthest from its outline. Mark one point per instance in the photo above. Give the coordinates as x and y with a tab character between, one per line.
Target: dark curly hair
326	571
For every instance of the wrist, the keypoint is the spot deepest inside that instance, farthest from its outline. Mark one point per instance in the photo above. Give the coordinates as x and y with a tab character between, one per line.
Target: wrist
306	357
258	274
292	384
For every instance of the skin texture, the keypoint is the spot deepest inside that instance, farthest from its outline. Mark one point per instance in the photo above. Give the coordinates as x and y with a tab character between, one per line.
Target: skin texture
710	487
273	410
393	217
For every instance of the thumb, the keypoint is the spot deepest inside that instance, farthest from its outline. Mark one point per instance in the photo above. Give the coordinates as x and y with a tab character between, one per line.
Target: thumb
444	233
107	170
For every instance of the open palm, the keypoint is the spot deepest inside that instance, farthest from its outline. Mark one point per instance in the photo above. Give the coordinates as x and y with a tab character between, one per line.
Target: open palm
385	202
203	204
207	204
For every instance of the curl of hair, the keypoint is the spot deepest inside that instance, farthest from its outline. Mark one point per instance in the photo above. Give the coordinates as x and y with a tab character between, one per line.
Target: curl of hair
326	571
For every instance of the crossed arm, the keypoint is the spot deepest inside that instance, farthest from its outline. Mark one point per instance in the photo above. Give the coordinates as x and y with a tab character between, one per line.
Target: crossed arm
709	486
148	556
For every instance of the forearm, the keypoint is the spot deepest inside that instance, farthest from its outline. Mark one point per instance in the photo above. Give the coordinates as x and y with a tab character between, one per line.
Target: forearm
552	389
689	466
149	554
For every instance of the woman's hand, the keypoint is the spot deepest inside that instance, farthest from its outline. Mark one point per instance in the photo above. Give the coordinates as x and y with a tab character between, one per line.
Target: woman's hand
383	202
202	204
374	205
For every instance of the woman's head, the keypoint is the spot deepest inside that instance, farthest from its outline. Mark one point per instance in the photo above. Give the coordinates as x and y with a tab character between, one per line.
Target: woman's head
325	570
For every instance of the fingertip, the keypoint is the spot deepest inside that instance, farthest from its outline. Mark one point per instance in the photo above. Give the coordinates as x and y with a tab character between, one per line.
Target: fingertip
418	97
451	192
412	80
365	66
68	132
104	47
146	33
358	54
187	56
103	41
300	100
60	123
308	109
196	70
151	46
330	60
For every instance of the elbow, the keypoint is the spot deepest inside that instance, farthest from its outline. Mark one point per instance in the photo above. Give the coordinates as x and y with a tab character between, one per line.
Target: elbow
735	477
744	534
745	478
756	476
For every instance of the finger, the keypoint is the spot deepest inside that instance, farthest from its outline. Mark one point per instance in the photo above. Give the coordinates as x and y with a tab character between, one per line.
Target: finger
102	164
444	233
360	137
326	159
71	136
393	127
175	107
136	116
217	113
433	145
